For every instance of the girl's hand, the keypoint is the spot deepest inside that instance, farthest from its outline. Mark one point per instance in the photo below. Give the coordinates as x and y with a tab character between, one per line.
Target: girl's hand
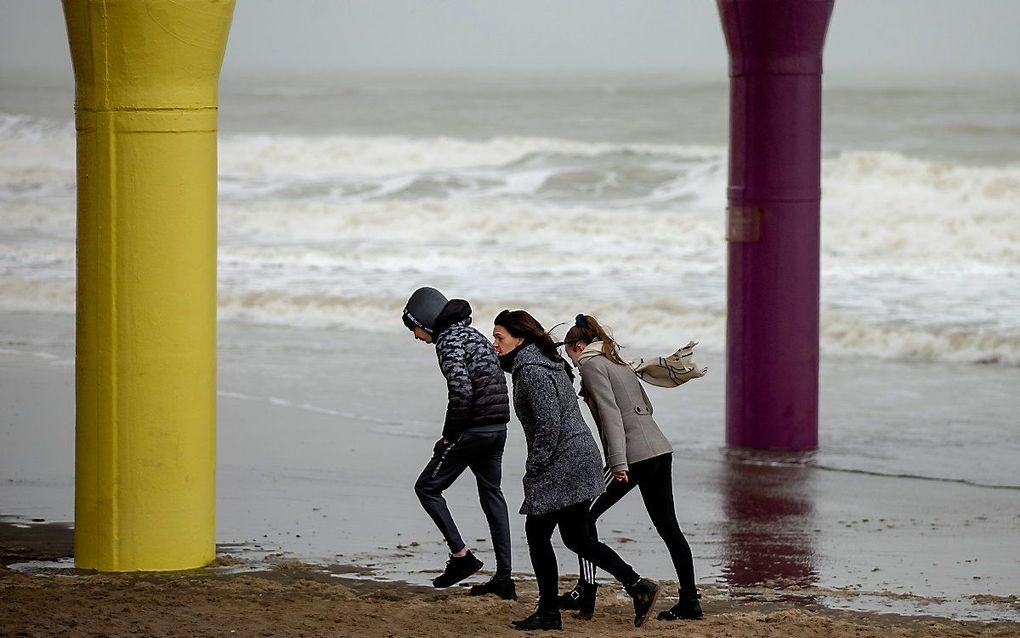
621	476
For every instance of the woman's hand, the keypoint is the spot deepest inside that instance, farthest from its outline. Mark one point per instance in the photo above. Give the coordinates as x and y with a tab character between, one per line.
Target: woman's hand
621	476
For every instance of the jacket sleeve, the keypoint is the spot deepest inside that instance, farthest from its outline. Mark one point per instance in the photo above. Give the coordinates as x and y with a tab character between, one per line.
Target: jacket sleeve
608	418
453	363
540	387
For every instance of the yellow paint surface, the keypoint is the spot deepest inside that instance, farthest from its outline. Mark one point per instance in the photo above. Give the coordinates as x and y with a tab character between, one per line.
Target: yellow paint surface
146	78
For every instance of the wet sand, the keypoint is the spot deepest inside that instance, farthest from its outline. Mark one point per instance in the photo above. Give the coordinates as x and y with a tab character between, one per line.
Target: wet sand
289	598
314	425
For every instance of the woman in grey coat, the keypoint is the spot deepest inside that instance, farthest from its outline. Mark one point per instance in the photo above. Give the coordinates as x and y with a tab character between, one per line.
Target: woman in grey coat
637	455
563	469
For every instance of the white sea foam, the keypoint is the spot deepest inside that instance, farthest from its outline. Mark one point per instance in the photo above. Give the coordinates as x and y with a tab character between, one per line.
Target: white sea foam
330	156
37	159
886	206
920	259
341	169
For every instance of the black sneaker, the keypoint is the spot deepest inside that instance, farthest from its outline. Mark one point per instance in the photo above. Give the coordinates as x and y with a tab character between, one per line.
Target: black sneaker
502	586
644	592
539	621
687	608
581	598
457	569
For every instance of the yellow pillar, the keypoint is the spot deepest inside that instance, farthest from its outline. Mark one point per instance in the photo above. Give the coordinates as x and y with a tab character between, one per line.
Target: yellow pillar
146	77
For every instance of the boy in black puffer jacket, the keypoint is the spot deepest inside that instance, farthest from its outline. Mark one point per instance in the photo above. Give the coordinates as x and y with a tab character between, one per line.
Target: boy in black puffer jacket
474	434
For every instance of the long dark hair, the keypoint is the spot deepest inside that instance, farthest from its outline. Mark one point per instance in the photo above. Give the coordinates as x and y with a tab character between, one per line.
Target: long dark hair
520	324
587	329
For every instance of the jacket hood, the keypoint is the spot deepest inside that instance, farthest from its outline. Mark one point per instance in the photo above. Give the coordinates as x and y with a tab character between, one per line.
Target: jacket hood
530	355
423	308
454	311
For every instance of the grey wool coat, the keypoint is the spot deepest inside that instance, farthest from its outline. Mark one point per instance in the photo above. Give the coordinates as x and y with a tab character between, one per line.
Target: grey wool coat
622	412
564	466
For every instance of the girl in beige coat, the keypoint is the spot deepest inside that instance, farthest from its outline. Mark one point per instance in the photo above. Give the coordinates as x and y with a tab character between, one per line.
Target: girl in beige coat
637	455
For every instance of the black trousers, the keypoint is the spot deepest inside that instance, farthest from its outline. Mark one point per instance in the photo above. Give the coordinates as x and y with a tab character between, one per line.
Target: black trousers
482	452
575	531
654	478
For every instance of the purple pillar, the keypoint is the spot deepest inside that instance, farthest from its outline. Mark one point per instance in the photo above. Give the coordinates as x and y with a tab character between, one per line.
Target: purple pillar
773	220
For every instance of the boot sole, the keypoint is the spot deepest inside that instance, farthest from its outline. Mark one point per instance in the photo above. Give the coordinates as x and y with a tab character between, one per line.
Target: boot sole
517	624
461	579
640	620
492	593
670	617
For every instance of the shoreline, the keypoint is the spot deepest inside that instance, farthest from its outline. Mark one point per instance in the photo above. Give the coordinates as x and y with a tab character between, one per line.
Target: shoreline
285	597
289	598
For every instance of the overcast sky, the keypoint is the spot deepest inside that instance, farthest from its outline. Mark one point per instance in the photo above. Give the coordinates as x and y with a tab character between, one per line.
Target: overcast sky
868	39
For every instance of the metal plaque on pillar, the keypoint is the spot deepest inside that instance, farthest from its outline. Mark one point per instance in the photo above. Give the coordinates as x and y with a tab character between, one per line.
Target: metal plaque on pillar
743	224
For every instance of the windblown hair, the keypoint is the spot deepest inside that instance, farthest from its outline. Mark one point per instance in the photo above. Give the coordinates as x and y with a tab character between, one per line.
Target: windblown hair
587	329
520	324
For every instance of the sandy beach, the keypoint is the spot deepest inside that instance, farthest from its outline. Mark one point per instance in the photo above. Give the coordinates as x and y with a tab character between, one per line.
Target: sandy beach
295	599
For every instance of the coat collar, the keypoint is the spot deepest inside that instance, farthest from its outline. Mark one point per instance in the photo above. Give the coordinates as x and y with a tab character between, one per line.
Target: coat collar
593	349
530	355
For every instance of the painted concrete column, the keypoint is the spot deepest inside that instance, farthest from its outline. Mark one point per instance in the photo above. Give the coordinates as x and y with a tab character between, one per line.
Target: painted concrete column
773	220
146	92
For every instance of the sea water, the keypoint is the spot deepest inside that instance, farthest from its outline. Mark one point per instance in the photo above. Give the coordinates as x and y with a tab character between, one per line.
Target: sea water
598	194
339	195
603	195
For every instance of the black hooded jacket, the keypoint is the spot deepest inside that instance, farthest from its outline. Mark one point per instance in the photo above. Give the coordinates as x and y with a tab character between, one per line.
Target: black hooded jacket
476	385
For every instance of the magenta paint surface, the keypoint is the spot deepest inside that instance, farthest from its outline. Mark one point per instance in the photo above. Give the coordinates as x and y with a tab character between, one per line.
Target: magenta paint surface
774	194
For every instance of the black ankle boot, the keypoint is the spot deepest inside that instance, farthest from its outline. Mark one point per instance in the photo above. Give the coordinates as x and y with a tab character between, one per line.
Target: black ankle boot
502	586
687	608
457	569
644	592
541	620
581	598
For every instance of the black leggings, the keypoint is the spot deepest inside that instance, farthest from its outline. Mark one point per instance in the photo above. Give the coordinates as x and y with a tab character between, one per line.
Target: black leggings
654	477
576	535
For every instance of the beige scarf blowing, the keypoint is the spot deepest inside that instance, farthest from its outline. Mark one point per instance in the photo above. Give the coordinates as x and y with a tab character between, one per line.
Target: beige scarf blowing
665	372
